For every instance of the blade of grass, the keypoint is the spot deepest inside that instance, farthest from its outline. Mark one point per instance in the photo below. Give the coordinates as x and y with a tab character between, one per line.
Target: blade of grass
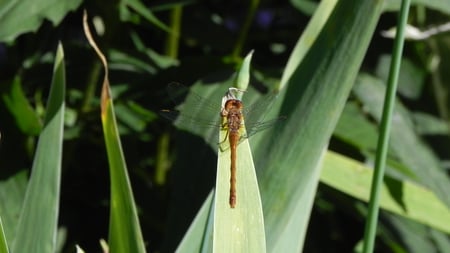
17	103
418	203
37	228
235	55
383	141
124	231
405	143
239	229
3	243
145	12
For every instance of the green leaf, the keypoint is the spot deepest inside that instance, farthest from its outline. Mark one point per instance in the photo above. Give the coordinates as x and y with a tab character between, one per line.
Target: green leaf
319	80
243	76
415	236
37	228
239	228
406	144
124	229
142	10
438	5
3	244
20	16
201	227
26	118
306	6
428	124
355	129
12	193
417	203
411	78
314	88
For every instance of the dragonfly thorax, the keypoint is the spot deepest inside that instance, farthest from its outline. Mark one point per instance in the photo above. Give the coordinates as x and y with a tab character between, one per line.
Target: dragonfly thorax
232	111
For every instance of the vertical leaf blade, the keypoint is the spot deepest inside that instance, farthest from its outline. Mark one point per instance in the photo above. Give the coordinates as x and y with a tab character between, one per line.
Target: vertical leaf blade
238	229
3	243
124	228
317	89
37	227
124	231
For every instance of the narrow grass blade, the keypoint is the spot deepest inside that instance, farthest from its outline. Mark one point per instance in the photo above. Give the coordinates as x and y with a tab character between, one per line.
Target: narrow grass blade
417	203
124	231
17	103
37	228
141	9
3	243
405	144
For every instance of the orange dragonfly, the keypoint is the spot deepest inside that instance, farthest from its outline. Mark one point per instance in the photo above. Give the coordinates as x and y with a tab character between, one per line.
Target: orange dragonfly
228	116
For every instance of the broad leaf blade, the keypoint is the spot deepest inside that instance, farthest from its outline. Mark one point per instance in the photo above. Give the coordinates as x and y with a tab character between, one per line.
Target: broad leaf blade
238	229
18	17
316	93
37	227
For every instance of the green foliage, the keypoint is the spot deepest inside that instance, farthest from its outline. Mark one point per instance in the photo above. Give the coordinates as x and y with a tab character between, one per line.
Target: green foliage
15	23
124	229
243	224
37	224
325	63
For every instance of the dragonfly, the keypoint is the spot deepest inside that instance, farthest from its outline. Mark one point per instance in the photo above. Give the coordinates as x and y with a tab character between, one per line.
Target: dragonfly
227	115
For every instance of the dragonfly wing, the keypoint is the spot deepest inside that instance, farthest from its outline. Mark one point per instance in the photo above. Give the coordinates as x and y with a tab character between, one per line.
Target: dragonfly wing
183	96
192	109
256	112
254	115
182	119
261	126
194	113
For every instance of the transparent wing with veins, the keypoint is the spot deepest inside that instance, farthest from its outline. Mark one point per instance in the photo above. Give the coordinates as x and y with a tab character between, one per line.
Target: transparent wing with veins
198	113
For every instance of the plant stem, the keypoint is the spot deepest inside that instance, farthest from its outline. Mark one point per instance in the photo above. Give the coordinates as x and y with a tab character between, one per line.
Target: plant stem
173	38
383	141
171	50
244	31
